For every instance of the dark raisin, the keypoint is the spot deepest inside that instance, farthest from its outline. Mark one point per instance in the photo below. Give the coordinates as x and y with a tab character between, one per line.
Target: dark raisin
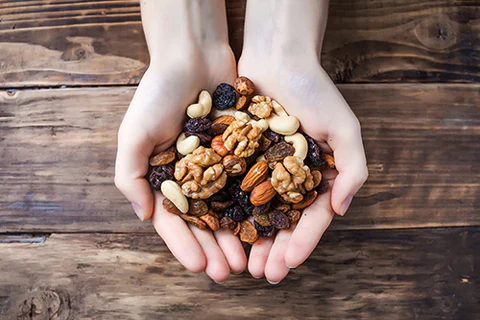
252	158
251	115
261	209
224	97
228	223
205	138
279	152
197	125
238	195
279	220
160	174
236	214
322	187
273	136
220	205
264	231
249	209
221	196
315	154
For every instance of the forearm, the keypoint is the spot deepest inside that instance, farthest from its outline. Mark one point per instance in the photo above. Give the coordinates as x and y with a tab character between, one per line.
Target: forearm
174	26
291	27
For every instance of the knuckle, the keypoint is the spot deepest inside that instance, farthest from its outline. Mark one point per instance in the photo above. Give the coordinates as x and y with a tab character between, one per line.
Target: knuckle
119	182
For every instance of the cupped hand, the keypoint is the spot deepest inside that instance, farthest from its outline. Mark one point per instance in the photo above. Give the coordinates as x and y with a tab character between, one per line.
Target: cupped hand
304	89
152	123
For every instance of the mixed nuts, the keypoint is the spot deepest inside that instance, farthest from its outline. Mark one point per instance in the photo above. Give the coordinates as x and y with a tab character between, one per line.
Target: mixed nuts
240	164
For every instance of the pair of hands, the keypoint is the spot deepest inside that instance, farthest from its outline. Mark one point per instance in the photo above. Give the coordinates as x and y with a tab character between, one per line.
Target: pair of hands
155	117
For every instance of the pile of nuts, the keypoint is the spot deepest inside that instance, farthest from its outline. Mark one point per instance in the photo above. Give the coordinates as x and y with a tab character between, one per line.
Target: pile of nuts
240	164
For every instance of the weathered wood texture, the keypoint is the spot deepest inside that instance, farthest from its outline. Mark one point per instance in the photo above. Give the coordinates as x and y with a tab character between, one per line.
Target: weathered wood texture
83	42
58	149
414	274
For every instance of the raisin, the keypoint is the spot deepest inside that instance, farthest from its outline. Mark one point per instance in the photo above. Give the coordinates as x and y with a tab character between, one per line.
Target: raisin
253	116
264	143
293	215
197	207
308	199
228	223
238	195
224	97
205	138
241	103
211	220
249	209
315	154
163	158
197	222
221	196
249	160
220	205
262	219
197	125
264	231
160	174
236	213
279	152
283	207
279	219
248	233
261	209
273	136
322	187
171	207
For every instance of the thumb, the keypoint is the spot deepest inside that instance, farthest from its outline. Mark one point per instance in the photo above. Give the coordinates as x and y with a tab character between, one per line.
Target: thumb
351	164
134	150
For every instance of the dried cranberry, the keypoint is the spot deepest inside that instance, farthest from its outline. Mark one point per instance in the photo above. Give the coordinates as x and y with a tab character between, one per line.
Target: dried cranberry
160	174
279	220
315	154
264	231
236	214
197	125
224	97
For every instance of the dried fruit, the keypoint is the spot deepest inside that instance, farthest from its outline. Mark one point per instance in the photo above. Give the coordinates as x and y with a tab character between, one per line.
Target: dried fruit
249	160
228	223
262	193
163	158
220	124
264	143
236	231
273	136
160	174
261	106
322	187
211	220
308	199
256	175
241	102
315	155
264	208
293	215
262	219
264	231
221	195
279	219
317	178
218	146
236	213
205	138
330	161
197	222
244	86
278	152
248	233
197	125
220	205
171	207
224	97
241	197
197	207
234	166
283	207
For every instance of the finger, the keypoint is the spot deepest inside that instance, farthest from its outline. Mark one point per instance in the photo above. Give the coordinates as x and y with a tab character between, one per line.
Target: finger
276	269
258	256
310	228
178	237
351	164
217	266
232	249
130	169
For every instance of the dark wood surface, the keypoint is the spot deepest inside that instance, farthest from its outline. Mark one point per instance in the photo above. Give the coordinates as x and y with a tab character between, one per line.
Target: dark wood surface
414	274
59	151
71	247
71	42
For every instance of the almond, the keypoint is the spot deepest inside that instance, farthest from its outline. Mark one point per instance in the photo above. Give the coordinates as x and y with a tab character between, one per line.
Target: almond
220	124
262	193
224	120
257	173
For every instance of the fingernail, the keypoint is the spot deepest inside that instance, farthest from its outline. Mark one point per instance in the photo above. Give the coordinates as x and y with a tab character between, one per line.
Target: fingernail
291	266
257	277
138	211
219	282
271	282
345	205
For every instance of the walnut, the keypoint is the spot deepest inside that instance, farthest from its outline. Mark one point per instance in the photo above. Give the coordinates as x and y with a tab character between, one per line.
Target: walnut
242	136
292	179
261	106
200	173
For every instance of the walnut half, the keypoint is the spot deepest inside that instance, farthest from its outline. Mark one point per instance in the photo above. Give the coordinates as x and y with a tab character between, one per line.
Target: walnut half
292	179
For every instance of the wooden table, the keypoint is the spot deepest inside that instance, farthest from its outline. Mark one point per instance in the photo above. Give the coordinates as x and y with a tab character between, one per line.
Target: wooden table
71	247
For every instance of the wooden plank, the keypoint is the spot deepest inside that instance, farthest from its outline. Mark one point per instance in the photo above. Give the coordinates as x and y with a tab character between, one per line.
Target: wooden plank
414	274
58	150
67	42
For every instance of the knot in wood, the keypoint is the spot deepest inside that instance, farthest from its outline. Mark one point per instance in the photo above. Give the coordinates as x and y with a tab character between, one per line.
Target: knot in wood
45	305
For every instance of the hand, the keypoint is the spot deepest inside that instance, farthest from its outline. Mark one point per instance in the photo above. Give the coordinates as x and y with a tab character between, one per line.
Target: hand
304	89
179	70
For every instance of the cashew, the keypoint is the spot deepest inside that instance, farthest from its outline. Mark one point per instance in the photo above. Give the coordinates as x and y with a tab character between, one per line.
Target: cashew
218	113
187	145
202	108
280	122
173	192
299	143
262	124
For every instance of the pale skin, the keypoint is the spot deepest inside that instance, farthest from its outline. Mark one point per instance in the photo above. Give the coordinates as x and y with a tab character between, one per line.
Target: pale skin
189	51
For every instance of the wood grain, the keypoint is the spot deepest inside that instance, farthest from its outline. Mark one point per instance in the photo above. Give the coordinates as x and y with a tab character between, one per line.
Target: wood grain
67	42
414	274
58	150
